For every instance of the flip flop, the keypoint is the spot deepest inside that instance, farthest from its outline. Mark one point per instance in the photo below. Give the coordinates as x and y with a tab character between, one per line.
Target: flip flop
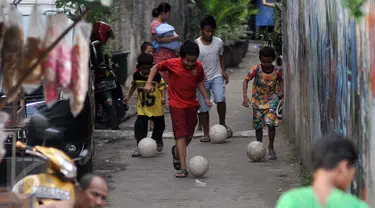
230	132
176	161
205	139
272	155
182	173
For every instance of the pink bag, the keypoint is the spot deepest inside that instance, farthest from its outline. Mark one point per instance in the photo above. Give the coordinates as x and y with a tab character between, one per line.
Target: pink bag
49	64
64	58
80	72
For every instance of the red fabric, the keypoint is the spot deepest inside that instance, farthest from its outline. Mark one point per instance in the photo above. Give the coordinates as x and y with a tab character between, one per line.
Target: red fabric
184	121
183	83
163	53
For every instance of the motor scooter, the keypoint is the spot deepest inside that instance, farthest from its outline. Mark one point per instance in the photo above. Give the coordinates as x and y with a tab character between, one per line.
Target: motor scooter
108	92
58	182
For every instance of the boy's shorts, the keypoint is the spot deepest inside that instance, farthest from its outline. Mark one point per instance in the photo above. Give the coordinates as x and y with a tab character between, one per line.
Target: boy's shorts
262	117
217	86
184	121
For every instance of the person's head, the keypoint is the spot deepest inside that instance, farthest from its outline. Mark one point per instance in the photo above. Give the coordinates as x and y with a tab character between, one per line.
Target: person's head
208	27
162	11
267	56
336	155
145	63
189	53
92	192
148	48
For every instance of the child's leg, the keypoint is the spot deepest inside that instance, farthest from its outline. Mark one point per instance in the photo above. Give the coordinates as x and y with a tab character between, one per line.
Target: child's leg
218	89
258	122
184	121
157	133
203	115
140	131
181	151
272	122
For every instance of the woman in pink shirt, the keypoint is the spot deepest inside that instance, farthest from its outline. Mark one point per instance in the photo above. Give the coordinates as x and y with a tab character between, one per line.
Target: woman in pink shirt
161	14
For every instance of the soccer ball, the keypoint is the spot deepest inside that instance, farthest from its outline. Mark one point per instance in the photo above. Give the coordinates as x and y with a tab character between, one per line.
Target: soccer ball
198	166
147	147
218	133
256	151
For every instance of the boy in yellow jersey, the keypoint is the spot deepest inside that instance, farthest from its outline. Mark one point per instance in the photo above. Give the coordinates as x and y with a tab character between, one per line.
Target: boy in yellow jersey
150	106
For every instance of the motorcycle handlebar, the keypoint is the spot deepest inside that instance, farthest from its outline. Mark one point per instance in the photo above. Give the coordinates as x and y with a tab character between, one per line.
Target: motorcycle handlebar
29	150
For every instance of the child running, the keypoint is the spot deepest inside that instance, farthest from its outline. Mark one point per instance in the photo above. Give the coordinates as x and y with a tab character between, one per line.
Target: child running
150	104
185	76
266	92
148	48
333	160
211	56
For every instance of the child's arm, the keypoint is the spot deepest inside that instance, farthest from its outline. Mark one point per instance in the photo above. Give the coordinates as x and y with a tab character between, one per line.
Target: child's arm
281	82
163	90
166	39
203	90
246	99
281	86
245	85
224	73
131	91
162	66
264	2
222	63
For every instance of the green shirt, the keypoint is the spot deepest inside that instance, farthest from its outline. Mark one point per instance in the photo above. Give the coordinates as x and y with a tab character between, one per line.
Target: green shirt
305	197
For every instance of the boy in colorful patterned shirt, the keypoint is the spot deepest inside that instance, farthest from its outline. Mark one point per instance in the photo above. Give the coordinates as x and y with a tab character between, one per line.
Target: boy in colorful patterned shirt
266	92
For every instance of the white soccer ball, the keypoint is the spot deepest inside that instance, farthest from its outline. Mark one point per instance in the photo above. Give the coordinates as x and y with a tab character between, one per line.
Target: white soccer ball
218	133
198	166
256	151
147	147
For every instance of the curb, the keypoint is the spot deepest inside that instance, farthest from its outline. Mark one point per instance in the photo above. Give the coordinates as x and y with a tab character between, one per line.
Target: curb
127	134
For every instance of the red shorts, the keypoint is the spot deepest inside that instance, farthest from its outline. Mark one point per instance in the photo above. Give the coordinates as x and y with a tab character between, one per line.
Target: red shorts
184	121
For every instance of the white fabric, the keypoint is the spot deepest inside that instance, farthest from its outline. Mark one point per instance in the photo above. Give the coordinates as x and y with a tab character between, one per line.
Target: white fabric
209	56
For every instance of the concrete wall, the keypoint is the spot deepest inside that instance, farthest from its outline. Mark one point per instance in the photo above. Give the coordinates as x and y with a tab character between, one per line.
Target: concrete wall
330	79
133	26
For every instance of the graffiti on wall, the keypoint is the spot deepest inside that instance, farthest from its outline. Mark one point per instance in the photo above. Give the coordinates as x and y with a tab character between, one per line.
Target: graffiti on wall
330	79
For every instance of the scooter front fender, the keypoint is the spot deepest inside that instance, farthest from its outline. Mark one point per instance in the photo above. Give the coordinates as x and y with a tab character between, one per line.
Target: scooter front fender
46	188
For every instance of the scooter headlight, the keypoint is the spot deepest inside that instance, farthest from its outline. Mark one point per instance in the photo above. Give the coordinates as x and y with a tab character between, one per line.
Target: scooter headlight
68	169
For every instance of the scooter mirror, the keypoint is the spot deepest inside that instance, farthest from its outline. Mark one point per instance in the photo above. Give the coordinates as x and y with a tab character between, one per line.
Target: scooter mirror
84	153
81	157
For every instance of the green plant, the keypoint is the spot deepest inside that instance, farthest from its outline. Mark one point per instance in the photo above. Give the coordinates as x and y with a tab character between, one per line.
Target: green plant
354	7
231	32
230	16
274	39
94	14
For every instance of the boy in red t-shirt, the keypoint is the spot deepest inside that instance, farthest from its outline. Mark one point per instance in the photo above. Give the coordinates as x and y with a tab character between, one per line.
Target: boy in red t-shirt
185	76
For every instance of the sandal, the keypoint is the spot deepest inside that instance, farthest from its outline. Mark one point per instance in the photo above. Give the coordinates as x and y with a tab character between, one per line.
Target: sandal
182	173
136	153
205	139
230	132
176	161
272	155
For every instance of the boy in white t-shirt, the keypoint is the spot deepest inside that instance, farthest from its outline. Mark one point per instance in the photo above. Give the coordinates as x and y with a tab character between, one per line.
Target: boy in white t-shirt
212	58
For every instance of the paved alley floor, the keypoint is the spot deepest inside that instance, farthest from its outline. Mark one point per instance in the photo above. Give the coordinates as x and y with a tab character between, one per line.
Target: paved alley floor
232	181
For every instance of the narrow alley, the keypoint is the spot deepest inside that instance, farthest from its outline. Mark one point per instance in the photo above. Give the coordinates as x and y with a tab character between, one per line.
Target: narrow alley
232	181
